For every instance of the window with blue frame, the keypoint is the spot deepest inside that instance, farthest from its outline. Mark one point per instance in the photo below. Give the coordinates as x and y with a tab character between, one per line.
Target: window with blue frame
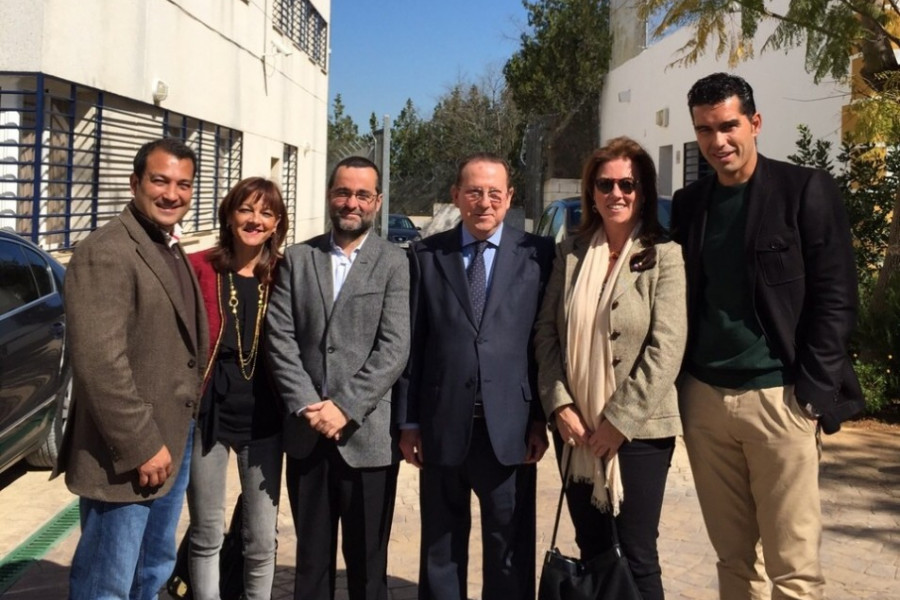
66	153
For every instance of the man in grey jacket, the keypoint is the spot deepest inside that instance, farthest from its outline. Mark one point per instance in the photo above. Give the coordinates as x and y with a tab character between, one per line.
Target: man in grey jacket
338	338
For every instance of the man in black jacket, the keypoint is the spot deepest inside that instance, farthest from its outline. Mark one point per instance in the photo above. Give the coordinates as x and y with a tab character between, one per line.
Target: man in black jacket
772	302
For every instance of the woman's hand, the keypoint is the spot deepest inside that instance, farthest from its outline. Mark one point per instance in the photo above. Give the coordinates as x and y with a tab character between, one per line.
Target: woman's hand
605	442
571	426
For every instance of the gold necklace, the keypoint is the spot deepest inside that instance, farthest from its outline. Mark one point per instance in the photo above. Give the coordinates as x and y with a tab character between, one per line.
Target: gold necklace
260	311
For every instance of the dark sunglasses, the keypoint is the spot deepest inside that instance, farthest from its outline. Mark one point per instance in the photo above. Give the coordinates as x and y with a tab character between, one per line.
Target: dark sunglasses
626	185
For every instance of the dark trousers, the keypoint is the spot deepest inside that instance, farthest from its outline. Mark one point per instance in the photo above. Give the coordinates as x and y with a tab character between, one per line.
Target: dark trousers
644	465
506	496
323	490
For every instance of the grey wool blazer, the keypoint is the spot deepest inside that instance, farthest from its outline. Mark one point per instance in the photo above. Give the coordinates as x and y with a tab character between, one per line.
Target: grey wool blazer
648	333
357	345
137	364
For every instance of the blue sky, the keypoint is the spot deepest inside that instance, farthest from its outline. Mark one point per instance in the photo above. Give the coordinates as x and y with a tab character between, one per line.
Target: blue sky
383	52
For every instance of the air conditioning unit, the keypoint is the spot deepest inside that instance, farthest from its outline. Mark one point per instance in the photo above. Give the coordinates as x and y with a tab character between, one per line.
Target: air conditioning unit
662	117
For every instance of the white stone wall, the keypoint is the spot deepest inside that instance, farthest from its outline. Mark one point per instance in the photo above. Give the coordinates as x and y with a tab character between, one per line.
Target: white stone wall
557	189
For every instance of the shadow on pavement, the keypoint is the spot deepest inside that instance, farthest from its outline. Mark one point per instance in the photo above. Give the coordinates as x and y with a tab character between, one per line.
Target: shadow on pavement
283	588
46	580
12	474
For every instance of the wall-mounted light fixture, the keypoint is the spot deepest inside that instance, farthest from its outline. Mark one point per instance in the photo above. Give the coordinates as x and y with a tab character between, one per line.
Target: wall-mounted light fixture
279	48
160	91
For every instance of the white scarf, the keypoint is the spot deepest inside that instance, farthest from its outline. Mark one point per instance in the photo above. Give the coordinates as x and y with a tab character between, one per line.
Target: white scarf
589	367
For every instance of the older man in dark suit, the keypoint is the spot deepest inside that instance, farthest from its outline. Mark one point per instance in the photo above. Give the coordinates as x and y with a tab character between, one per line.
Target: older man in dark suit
137	339
772	302
338	338
468	405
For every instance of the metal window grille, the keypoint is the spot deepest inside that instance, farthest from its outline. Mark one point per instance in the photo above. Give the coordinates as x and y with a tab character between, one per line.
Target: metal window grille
695	166
218	166
289	186
301	22
319	37
66	154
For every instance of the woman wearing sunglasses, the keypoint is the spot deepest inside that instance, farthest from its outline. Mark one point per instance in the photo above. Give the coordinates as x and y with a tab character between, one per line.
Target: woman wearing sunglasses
239	409
609	341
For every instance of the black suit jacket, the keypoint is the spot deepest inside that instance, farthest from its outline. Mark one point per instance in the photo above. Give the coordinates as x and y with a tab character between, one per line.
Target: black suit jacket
802	276
452	358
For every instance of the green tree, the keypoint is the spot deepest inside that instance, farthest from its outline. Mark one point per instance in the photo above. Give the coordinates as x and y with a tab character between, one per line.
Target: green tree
424	153
343	135
829	29
410	157
562	59
868	176
556	76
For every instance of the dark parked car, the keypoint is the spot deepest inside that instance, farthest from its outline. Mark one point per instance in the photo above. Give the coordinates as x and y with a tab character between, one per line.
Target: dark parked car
561	218
35	375
402	231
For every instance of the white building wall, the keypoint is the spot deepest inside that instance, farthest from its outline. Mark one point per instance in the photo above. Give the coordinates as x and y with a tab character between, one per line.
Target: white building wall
22	40
217	58
784	92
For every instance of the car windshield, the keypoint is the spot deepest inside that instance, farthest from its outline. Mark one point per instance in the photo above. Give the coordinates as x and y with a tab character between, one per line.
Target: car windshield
395	222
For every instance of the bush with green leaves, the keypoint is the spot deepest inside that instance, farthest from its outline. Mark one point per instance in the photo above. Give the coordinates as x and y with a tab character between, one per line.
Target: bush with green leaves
868	178
875	347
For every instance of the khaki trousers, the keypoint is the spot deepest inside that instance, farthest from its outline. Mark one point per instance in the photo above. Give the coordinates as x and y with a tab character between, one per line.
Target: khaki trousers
755	459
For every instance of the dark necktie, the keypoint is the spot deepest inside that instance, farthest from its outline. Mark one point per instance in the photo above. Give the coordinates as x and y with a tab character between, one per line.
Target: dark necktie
478	280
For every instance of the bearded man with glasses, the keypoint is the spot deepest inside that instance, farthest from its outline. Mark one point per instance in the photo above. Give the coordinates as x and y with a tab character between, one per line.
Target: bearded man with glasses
338	338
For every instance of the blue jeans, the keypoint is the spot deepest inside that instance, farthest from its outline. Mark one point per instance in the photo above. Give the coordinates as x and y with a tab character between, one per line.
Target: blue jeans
127	550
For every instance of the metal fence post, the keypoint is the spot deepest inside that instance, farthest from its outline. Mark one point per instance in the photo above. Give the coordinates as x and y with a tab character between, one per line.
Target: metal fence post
386	176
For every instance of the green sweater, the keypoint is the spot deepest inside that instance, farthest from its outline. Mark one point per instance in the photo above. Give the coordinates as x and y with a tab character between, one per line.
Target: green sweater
729	348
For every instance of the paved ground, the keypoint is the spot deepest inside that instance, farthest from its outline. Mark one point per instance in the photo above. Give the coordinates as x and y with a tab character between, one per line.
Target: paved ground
860	500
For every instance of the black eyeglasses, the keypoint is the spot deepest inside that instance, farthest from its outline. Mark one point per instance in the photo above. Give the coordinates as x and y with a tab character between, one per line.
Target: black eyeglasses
626	185
363	196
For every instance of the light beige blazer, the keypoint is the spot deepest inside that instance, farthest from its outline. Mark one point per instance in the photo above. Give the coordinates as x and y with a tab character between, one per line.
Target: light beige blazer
648	331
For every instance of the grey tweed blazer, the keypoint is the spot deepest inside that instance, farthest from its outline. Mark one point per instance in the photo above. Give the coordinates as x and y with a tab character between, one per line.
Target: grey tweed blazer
648	332
359	342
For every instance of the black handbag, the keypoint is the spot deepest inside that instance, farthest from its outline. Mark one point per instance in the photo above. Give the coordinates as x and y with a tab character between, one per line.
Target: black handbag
604	577
231	562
